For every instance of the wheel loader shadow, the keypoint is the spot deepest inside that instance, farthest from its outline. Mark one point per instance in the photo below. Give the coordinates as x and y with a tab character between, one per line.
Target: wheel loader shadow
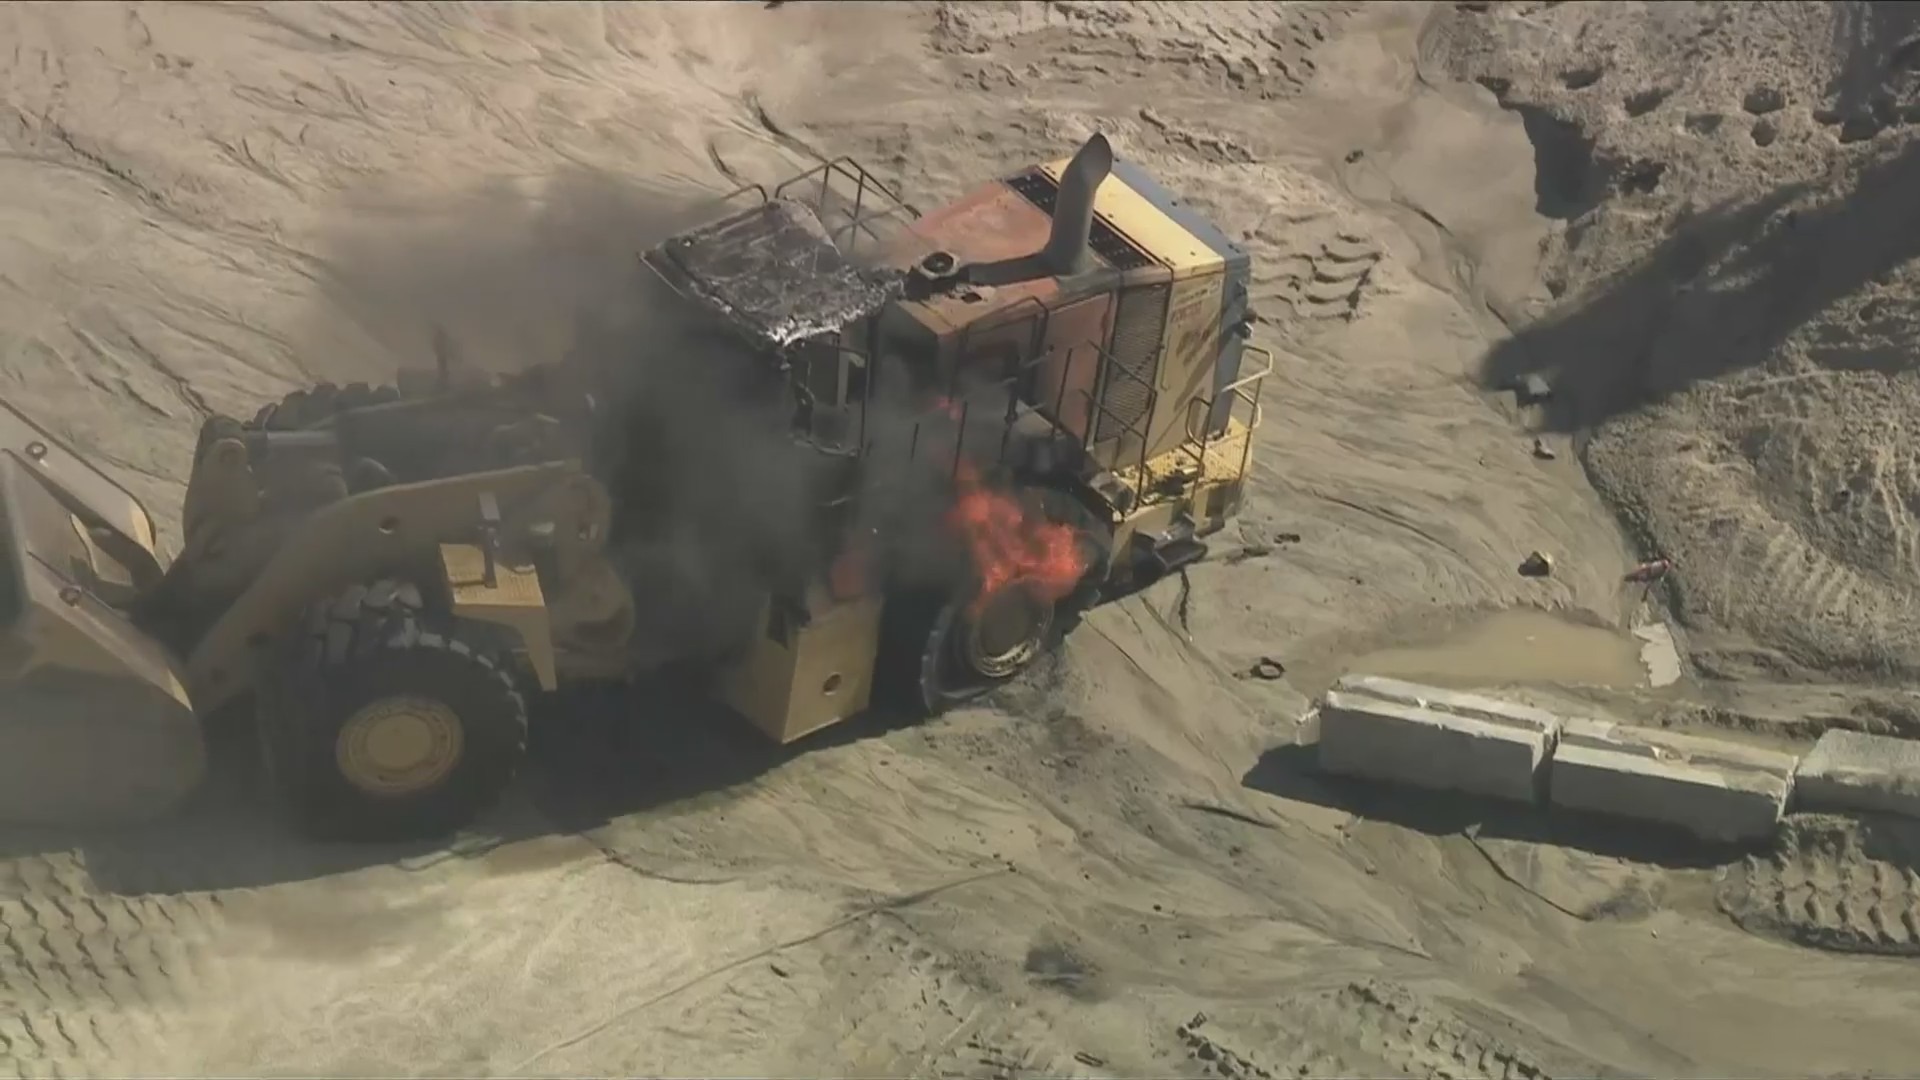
595	757
612	754
1289	772
226	836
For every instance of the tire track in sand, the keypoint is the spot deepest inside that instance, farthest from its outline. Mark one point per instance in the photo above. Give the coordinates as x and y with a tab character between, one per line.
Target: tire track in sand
1834	883
86	976
1374	1027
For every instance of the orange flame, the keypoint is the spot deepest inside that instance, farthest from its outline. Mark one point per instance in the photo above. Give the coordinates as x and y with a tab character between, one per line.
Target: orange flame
950	408
1008	547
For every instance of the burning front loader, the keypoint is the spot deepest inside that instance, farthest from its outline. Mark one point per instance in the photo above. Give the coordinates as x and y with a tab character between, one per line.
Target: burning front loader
1043	379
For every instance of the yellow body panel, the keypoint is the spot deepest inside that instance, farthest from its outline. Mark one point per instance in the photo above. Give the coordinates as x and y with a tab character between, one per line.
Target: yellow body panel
514	600
1193	330
357	539
1132	216
1188	358
1214	468
794	683
1213	493
1190	348
1223	460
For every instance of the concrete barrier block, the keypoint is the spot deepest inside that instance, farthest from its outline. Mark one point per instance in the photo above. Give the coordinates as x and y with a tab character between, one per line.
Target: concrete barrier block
1716	790
1847	771
1405	733
1458	702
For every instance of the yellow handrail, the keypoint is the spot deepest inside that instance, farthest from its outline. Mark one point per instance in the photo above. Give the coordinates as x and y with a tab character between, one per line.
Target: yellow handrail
1238	388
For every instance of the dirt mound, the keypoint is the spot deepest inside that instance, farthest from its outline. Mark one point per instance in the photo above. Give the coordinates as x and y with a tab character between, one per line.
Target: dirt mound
1737	185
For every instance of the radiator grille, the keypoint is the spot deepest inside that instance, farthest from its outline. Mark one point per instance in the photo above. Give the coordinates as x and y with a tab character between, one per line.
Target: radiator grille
1126	390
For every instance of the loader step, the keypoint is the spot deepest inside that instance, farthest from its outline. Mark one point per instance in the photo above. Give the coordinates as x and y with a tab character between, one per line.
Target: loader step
1179	555
1170	551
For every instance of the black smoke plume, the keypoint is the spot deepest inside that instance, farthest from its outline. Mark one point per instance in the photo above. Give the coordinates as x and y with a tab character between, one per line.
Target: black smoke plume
716	503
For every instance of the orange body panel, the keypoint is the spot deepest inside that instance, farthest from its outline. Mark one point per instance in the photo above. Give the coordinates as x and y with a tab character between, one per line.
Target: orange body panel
989	223
1066	380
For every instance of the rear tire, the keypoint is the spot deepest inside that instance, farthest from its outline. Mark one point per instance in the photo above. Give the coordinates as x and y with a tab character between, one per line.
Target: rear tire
936	654
390	725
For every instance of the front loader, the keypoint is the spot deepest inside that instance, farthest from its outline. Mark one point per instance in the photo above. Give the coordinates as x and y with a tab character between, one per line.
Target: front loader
996	415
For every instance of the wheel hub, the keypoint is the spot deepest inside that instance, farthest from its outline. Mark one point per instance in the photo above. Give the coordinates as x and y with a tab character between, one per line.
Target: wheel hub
1006	633
399	746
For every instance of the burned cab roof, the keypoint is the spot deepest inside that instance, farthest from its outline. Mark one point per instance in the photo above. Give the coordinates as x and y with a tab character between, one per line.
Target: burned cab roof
773	272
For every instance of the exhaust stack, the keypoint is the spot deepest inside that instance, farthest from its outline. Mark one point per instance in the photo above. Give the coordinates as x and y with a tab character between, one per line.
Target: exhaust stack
1066	250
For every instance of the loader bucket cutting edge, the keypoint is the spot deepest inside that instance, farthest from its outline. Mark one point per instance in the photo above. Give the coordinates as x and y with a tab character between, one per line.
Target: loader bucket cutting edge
95	722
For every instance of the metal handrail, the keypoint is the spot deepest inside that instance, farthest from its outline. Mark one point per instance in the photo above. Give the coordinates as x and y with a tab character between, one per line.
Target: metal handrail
1000	320
1109	368
1246	388
958	409
848	167
1238	389
757	189
863	182
1153	404
1008	383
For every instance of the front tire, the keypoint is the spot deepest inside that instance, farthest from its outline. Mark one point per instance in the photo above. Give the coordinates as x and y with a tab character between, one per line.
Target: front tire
390	725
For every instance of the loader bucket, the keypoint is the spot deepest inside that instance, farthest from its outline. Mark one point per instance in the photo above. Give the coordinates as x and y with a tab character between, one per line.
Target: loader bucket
95	723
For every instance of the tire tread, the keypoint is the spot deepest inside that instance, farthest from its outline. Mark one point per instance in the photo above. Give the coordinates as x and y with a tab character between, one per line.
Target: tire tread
361	626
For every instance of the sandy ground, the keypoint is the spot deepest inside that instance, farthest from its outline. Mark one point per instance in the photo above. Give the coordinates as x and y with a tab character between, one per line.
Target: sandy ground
197	212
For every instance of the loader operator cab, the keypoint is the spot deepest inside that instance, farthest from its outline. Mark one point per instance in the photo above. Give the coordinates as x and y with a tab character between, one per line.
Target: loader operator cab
811	281
786	287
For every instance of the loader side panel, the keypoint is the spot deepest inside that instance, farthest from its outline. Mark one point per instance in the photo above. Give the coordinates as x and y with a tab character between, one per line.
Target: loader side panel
1065	381
95	722
385	531
1182	369
1229	346
800	675
1125	398
1171	351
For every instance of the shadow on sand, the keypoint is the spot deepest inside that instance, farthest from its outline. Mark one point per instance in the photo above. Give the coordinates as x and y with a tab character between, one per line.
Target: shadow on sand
594	757
1289	772
1719	295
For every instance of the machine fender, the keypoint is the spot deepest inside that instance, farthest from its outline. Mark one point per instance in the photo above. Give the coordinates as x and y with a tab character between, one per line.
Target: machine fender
350	541
512	601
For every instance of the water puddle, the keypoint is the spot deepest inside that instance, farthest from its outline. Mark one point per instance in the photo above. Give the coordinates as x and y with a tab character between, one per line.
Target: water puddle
1525	645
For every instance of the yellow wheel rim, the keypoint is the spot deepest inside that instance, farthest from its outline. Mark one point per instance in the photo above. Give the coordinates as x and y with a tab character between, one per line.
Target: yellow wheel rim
399	746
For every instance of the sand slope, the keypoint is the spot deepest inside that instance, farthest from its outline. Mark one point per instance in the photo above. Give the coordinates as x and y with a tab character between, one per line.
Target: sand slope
196	199
1752	274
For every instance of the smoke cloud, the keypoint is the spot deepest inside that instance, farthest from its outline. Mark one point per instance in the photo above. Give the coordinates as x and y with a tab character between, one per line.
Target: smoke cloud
716	503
